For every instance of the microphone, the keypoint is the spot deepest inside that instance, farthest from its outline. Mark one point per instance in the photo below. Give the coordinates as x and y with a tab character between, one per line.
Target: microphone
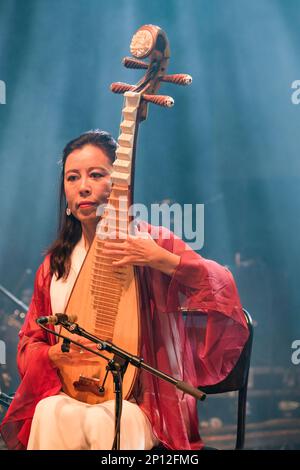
57	318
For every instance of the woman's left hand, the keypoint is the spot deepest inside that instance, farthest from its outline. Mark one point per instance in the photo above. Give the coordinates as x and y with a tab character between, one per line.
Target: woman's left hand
141	250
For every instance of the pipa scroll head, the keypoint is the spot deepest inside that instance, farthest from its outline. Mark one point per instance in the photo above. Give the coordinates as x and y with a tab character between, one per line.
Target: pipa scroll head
147	40
150	42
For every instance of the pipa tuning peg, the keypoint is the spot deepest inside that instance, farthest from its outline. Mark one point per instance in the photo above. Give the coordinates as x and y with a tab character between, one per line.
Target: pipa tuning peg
161	100
120	87
177	79
131	63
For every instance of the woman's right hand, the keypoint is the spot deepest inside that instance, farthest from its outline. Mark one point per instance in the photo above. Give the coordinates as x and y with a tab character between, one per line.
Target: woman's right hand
76	356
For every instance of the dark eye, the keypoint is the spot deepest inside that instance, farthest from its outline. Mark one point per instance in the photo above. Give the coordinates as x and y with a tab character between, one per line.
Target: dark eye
96	174
71	177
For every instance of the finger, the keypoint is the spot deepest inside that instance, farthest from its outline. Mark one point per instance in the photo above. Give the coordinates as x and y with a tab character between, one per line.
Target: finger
129	261
113	250
113	245
141	234
83	355
87	342
84	362
123	262
78	359
74	347
84	342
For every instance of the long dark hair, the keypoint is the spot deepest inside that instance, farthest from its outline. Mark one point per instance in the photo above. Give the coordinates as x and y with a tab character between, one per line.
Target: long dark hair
69	230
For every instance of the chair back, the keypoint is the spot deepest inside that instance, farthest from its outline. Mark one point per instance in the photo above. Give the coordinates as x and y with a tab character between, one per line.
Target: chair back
237	380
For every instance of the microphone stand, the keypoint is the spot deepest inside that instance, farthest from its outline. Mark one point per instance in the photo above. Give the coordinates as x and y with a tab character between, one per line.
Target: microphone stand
117	366
5	400
13	298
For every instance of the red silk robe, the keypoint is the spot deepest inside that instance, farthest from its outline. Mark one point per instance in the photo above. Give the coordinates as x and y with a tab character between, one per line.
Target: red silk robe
200	347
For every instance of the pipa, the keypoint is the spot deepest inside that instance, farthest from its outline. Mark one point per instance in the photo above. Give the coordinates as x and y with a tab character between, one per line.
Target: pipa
106	299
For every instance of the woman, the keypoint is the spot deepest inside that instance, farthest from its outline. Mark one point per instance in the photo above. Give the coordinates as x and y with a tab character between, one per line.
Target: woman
201	349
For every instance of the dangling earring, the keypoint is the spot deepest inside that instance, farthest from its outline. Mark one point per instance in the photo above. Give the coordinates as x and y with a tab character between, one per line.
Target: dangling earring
68	211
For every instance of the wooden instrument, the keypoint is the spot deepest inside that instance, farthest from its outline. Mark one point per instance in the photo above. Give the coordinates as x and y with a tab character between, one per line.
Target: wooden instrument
106	299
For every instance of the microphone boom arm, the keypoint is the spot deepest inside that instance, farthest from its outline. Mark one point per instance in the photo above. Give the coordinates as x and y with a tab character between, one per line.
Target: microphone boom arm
134	360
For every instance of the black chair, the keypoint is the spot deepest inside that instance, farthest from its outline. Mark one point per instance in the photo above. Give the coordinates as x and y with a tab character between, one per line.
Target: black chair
237	380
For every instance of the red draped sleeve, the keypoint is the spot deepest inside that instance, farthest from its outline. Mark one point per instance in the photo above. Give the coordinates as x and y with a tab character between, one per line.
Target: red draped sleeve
193	328
39	379
214	319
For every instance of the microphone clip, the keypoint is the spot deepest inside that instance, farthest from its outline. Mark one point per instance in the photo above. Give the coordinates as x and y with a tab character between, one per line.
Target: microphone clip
65	346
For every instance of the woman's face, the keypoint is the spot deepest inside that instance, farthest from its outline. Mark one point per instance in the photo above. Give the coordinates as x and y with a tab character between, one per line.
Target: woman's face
87	181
